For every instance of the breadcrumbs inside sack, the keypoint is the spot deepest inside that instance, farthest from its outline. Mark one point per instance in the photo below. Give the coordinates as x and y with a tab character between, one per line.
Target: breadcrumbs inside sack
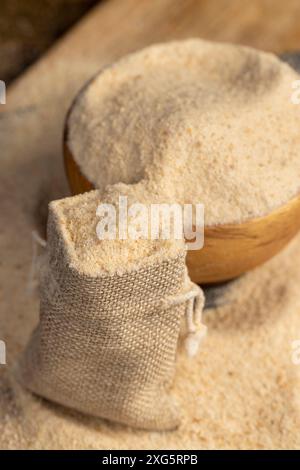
94	256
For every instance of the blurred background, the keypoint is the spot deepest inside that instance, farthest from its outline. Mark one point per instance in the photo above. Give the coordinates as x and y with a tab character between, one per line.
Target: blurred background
29	27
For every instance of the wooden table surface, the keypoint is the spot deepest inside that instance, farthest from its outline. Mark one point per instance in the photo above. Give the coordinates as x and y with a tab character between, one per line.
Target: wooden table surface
116	27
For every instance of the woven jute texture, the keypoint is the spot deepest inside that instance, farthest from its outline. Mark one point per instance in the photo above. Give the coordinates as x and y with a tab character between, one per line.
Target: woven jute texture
106	345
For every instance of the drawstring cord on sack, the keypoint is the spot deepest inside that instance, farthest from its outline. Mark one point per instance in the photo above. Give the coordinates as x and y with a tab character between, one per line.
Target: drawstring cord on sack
196	330
37	240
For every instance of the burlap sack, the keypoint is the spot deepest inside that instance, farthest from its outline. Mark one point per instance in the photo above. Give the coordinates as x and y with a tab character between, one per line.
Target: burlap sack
106	345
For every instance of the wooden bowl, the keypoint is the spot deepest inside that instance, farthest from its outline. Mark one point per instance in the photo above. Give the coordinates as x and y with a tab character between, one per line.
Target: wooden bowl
229	250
